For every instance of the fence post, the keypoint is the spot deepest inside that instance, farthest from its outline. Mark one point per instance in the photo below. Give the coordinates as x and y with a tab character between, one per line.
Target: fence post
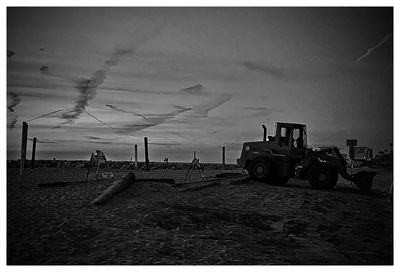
23	147
146	154
223	157
136	165
33	153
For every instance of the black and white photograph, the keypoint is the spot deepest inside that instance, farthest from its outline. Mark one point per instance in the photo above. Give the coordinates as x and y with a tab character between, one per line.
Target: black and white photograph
199	135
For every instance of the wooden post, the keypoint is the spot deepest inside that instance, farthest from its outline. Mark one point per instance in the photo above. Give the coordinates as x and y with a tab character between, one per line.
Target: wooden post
136	165
88	169
23	147
146	154
33	153
223	157
194	154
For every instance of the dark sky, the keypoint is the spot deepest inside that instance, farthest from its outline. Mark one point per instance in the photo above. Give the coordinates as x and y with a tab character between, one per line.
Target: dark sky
196	78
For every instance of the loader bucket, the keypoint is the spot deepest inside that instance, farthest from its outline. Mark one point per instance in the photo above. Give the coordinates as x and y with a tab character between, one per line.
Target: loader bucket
364	180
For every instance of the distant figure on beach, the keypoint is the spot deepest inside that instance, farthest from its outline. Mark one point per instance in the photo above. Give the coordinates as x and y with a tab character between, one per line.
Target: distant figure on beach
166	162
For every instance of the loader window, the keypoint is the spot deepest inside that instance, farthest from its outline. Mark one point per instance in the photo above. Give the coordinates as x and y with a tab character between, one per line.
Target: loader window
296	138
284	136
283	132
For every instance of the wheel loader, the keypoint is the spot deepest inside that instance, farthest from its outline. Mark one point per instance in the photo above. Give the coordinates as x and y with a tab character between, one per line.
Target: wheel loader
286	155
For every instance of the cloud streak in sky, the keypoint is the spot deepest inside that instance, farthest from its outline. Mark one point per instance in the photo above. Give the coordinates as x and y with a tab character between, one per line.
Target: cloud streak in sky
372	49
152	120
160	118
11	120
93	137
125	111
201	111
262	111
43	141
13	100
196	89
87	86
266	69
44	115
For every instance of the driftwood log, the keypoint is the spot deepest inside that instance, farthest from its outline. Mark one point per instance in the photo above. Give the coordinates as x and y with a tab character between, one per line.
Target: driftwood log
117	187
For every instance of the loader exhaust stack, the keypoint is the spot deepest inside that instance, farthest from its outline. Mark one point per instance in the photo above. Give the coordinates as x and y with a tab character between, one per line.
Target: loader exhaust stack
265	133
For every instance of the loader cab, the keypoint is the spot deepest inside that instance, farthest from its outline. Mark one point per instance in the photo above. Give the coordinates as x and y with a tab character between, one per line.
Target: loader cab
291	136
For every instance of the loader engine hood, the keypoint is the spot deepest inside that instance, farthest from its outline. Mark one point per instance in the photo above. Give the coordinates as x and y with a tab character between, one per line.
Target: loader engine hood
251	150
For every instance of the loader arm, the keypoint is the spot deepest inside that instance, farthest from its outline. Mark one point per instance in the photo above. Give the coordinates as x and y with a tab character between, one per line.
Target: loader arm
363	179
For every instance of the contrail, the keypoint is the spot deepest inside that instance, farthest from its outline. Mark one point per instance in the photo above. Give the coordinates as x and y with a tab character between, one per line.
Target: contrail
12	122
263	68
12	101
44	141
45	71
130	112
44	115
160	118
201	111
372	49
196	89
50	113
104	123
154	120
87	86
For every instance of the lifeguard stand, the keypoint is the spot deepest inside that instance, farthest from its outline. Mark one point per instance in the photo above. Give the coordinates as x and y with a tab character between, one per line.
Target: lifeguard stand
99	159
195	165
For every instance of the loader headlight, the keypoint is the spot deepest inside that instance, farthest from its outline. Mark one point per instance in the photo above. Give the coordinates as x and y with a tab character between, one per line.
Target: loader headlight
247	147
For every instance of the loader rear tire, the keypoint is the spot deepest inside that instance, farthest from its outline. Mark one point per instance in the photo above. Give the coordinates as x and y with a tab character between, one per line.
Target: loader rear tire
323	176
261	170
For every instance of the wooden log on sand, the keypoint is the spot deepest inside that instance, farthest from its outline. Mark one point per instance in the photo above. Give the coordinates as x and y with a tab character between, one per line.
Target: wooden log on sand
115	189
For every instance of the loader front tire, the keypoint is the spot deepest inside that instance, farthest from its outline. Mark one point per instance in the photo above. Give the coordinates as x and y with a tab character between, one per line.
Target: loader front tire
261	170
323	176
